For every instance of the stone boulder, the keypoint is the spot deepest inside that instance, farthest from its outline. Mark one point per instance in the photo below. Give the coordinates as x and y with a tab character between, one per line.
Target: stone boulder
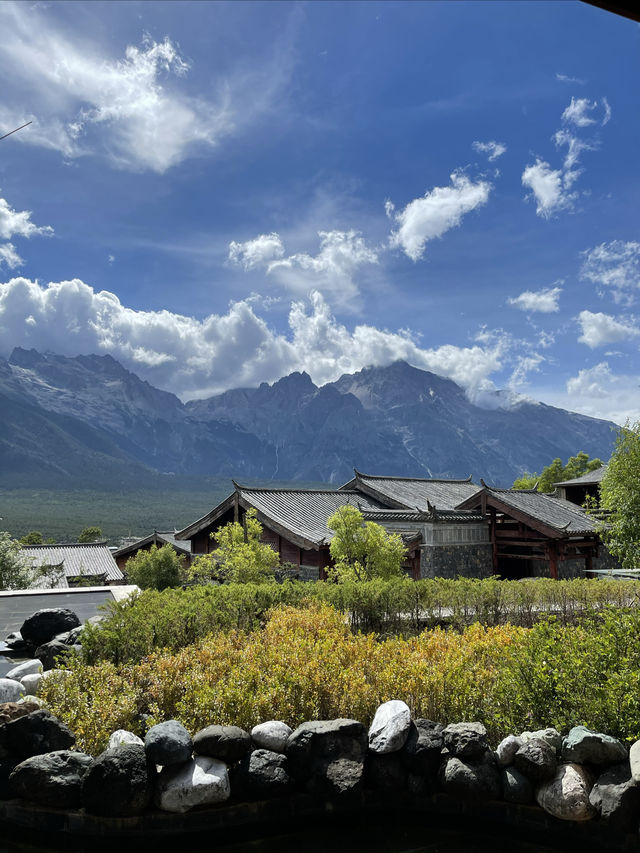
582	746
566	795
11	690
423	747
168	743
261	775
389	729
466	740
53	779
35	734
536	760
12	710
385	772
31	683
616	798
272	735
43	625
226	743
29	667
122	736
550	736
201	781
479	780
16	642
6	769
516	787
506	750
119	783
48	653
634	761
326	757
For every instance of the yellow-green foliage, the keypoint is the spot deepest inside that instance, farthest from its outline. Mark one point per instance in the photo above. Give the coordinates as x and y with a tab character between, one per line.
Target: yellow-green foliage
363	550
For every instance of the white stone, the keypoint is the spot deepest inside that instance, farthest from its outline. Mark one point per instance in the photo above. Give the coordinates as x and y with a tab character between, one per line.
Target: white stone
507	748
566	796
634	761
390	727
122	736
31	682
200	781
272	735
29	667
31	699
10	690
550	736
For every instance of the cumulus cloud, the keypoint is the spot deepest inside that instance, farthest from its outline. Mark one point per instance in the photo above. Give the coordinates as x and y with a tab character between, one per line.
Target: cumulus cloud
133	108
492	149
544	301
16	223
435	213
257	252
599	329
195	358
600	392
579	112
614	265
550	188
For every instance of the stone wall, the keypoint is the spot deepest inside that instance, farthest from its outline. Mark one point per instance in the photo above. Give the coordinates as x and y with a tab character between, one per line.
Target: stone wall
452	561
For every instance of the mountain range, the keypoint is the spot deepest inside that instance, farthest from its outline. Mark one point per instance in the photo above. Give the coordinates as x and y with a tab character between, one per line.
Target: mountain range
74	422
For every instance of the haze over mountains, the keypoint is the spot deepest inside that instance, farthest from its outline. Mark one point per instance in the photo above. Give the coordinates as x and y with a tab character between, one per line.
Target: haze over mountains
87	421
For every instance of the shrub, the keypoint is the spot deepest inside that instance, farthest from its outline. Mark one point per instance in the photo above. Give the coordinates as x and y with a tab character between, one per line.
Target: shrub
157	568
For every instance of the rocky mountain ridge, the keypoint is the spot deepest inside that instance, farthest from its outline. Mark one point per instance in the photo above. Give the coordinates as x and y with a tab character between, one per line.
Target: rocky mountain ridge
83	417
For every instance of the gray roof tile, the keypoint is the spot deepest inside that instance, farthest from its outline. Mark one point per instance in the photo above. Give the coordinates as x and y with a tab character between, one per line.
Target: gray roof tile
77	560
416	493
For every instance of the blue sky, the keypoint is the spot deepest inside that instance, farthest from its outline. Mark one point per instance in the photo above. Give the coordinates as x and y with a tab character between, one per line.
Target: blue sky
218	194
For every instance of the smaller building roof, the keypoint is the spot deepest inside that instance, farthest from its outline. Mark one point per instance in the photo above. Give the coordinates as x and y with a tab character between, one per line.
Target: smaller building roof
557	517
76	560
158	537
591	478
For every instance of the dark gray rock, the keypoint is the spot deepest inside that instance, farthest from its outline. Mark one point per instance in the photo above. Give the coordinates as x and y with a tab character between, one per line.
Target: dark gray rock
385	772
35	734
536	759
466	740
16	642
43	625
516	787
326	757
6	769
422	750
168	743
261	775
119	783
53	779
616	798
478	780
49	652
582	746
228	743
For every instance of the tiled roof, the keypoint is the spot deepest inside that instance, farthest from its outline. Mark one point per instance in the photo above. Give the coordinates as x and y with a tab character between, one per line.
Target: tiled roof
452	515
159	537
590	478
415	493
77	560
304	512
556	513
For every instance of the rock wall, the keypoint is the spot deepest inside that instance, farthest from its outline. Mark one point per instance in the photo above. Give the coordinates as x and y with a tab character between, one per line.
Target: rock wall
473	560
581	777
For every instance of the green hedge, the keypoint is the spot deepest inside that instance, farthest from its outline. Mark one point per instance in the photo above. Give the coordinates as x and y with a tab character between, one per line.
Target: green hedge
173	619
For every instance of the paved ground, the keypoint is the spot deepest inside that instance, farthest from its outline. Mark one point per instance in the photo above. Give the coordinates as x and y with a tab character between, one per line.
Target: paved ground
14	609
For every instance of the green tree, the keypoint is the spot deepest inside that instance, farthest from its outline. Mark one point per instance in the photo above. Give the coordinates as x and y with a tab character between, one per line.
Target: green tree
157	568
16	572
363	550
33	537
89	535
620	496
240	556
556	472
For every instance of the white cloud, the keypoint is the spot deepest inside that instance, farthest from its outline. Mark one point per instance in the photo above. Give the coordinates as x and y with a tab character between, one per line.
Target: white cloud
579	112
544	301
257	252
332	271
615	265
607	112
565	78
492	149
591	382
575	147
601	393
439	210
16	223
195	358
133	109
550	188
599	329
525	364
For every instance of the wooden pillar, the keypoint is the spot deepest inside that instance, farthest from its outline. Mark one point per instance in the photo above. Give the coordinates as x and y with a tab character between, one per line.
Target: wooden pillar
236	508
588	561
494	541
552	551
